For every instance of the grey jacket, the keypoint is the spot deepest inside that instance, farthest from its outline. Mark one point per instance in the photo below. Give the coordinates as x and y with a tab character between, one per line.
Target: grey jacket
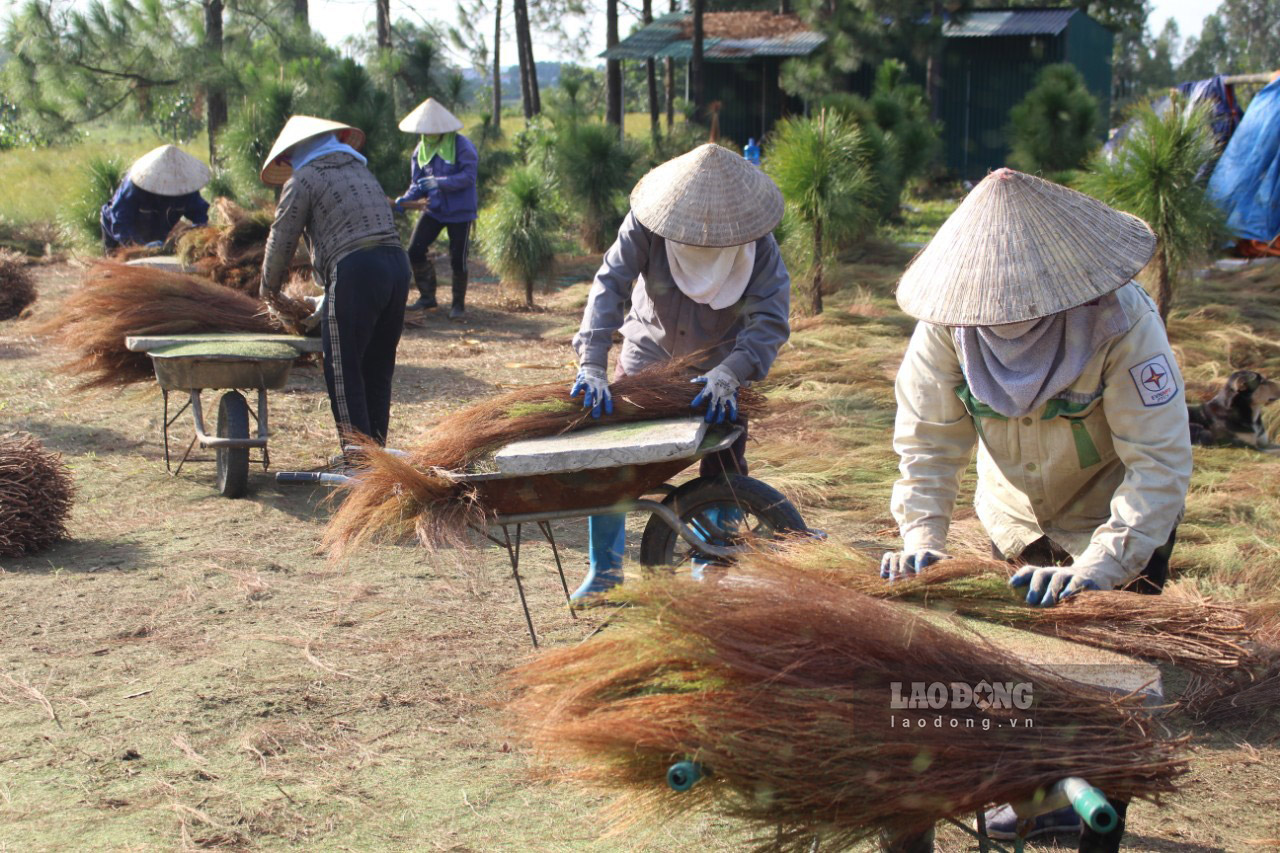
664	324
342	208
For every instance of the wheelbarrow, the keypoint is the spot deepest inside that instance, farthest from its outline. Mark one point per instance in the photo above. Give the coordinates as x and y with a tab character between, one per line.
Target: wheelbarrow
622	468
191	364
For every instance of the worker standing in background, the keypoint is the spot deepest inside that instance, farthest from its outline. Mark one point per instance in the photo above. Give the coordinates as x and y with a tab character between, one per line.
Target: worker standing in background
443	171
698	263
331	195
161	187
1034	345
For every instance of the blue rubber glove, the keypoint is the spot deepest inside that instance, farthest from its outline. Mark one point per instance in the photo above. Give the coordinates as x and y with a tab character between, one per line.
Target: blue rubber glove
426	184
155	244
594	388
905	564
1047	585
720	395
398	205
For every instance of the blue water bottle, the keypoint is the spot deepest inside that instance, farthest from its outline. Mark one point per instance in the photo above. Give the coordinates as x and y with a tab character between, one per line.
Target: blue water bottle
751	152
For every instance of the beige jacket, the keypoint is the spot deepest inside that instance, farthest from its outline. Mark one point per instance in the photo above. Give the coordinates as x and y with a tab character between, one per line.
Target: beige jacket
1102	470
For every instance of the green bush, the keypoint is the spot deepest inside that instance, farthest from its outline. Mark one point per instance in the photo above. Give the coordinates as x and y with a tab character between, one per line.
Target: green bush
100	178
1054	128
247	138
901	111
1154	175
517	232
594	167
824	167
884	158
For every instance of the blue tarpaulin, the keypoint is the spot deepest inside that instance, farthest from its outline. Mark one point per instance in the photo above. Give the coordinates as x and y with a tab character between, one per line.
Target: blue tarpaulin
1246	181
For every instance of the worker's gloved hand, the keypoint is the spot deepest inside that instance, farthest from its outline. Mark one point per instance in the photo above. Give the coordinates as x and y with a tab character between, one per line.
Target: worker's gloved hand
905	564
312	321
154	244
720	395
426	183
397	206
1047	585
594	388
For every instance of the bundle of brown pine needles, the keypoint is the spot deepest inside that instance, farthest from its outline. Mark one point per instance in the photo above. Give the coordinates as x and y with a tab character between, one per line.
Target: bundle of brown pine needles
118	300
1254	691
1200	636
35	496
231	250
17	288
392	498
782	686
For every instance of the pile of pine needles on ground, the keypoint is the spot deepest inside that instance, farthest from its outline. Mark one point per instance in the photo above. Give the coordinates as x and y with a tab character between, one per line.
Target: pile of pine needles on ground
35	496
781	685
17	288
231	250
1230	650
118	300
391	498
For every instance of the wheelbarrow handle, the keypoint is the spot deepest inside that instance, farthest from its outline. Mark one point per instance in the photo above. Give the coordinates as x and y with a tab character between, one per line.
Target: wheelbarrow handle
683	775
1087	801
299	478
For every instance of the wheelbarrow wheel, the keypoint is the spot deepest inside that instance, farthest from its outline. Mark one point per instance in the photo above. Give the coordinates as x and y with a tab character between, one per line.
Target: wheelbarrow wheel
233	462
725	510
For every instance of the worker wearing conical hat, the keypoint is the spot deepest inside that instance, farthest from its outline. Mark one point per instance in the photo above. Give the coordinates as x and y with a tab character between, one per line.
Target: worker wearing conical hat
330	195
1035	346
442	170
161	187
697	262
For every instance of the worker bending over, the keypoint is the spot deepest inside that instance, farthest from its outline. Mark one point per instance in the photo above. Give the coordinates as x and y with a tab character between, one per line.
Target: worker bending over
1035	345
161	187
697	262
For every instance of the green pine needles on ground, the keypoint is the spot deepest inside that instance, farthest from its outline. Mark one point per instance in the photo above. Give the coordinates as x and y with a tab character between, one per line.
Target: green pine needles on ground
517	233
1054	129
1156	174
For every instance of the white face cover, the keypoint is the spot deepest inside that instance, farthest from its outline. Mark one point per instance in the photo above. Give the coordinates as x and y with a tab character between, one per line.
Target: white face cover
709	276
1013	331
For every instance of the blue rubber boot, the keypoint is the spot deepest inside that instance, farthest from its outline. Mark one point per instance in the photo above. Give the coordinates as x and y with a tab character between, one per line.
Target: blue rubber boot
724	519
607	542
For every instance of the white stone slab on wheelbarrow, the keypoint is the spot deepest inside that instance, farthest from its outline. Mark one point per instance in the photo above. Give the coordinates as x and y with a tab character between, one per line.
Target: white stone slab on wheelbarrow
168	263
146	343
604	447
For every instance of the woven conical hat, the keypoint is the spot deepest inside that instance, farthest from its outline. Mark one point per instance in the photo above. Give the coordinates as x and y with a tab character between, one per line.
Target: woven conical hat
708	197
430	117
1019	248
168	170
296	129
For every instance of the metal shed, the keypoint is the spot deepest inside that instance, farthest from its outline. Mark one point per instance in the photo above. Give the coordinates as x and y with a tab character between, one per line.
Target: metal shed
990	61
742	53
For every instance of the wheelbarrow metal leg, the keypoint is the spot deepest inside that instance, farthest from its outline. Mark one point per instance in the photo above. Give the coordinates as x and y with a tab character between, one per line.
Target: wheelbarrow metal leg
545	527
513	552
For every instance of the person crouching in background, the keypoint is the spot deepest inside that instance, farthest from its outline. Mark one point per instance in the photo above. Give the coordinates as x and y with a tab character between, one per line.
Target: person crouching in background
161	187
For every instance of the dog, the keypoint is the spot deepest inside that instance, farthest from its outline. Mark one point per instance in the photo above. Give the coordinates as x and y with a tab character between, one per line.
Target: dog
1233	417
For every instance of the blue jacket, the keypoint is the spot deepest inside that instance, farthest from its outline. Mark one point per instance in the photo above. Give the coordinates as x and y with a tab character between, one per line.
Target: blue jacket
454	198
136	217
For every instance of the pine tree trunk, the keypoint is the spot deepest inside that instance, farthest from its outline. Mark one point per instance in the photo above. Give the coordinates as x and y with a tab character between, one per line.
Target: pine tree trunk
528	67
933	68
384	24
671	83
497	67
1164	286
815	282
612	68
528	293
526	97
301	13
651	75
696	63
215	107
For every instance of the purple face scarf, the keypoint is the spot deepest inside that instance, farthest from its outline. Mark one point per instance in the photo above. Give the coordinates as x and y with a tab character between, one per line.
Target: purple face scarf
1016	368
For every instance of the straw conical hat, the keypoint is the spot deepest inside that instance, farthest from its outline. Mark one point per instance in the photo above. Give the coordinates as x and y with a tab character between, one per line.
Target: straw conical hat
430	117
709	197
1019	248
296	129
168	170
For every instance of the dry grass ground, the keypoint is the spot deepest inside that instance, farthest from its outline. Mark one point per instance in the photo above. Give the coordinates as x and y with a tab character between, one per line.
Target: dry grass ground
189	672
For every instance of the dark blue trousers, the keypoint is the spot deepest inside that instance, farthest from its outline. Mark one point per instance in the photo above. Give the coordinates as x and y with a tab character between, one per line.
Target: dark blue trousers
360	335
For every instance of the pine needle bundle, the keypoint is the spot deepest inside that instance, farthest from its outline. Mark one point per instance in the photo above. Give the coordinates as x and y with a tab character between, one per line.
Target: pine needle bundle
392	498
782	686
117	300
35	496
1200	636
17	288
1254	691
231	249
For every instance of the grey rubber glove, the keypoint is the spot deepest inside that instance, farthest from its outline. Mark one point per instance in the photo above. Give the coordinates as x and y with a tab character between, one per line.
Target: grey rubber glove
905	564
720	393
1047	585
312	320
594	388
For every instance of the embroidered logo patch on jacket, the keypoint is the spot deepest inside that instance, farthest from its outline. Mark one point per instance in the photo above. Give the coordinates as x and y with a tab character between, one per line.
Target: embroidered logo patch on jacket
1155	381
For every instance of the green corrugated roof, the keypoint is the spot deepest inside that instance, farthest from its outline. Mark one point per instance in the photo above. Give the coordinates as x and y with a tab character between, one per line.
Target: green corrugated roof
663	38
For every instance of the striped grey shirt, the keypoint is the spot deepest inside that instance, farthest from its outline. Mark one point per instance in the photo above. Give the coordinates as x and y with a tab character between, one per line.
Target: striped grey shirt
338	202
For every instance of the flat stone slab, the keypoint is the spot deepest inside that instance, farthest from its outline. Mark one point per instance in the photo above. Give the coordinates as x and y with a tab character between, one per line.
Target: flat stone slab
168	263
604	447
146	343
1085	664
